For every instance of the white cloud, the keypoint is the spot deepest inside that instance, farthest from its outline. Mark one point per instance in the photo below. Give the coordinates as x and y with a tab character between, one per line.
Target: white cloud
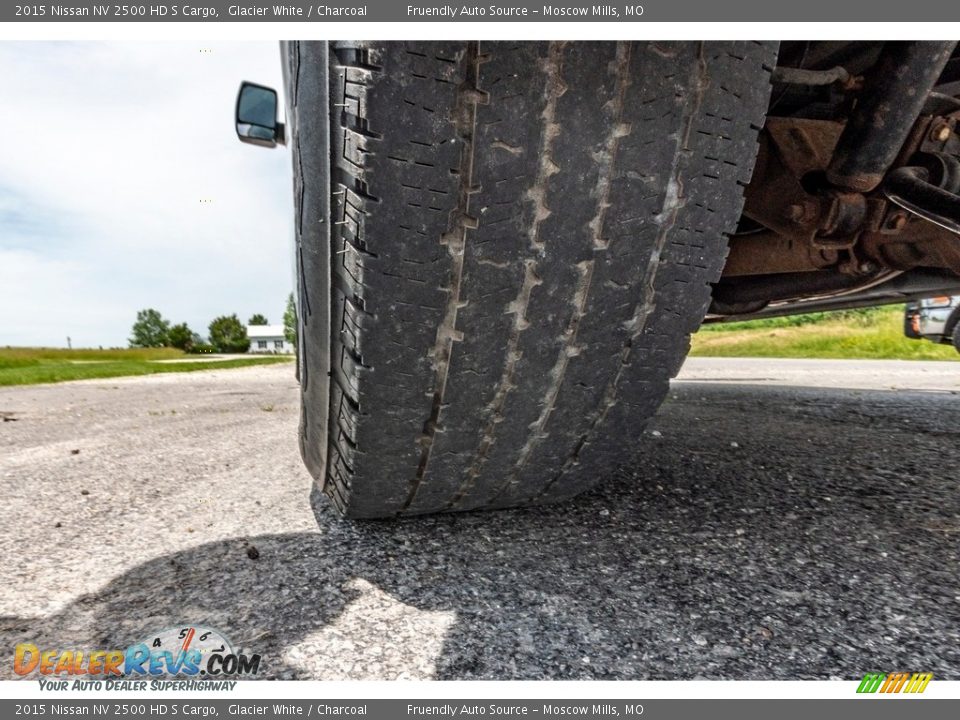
109	150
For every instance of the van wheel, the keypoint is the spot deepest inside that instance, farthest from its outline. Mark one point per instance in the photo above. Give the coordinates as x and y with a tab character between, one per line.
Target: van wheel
503	249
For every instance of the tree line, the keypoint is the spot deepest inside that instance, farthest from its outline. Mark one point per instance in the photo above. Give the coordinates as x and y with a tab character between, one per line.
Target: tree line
226	334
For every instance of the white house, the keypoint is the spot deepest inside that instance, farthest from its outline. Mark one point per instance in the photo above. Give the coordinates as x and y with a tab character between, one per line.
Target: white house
268	339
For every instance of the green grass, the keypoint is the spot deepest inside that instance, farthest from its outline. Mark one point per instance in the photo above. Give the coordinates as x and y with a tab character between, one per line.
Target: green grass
871	333
31	366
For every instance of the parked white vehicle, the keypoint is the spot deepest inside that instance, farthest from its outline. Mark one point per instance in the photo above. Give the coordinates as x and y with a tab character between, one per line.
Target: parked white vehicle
935	319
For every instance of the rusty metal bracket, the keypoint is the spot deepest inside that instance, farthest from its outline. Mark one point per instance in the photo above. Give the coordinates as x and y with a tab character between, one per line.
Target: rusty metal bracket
789	195
791	149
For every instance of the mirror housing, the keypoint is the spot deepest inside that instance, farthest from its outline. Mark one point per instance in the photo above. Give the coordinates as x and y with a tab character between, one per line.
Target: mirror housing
256	116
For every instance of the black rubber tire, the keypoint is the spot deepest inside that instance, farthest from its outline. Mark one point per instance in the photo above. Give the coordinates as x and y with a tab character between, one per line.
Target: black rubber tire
956	337
503	249
910	311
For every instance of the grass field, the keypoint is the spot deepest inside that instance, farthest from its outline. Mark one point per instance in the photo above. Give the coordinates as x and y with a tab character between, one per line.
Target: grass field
29	366
871	333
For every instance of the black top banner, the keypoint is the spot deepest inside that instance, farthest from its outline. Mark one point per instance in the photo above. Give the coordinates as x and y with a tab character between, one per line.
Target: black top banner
511	11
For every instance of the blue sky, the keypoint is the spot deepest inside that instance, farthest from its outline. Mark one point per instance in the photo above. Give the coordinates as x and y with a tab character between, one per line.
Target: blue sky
108	151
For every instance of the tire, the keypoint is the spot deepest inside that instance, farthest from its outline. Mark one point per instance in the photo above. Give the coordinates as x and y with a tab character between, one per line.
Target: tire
956	337
909	314
502	251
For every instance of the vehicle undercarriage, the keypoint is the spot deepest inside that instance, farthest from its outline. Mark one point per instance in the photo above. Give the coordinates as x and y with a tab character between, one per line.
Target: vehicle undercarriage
854	198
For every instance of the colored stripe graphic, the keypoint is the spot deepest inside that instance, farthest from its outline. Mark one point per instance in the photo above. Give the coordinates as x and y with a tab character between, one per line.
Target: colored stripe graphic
870	683
895	682
918	683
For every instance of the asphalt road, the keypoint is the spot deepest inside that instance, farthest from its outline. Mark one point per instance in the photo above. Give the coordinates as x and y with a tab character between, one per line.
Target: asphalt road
785	519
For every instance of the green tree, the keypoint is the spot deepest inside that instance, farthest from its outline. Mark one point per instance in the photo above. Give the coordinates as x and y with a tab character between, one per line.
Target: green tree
290	321
258	319
228	335
181	336
150	330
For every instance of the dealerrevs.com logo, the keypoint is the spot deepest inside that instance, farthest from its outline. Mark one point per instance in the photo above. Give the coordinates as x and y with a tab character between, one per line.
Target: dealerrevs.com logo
190	651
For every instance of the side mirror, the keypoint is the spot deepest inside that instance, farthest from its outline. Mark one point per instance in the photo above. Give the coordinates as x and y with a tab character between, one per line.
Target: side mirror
256	116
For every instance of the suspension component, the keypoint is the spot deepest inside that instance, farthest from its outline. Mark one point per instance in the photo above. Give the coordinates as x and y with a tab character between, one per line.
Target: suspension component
928	191
895	92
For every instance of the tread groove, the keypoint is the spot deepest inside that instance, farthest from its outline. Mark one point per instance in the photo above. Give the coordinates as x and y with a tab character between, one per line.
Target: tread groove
465	118
666	219
585	268
537	195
